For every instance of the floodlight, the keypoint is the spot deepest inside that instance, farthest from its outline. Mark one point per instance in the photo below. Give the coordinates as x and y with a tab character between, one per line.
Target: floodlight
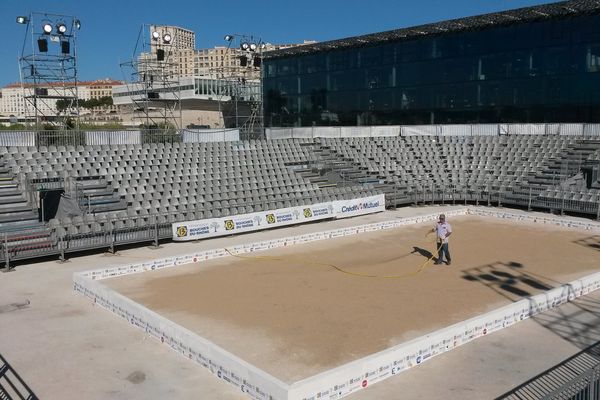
47	28
245	46
77	24
155	35
263	46
22	20
252	46
61	28
228	38
167	38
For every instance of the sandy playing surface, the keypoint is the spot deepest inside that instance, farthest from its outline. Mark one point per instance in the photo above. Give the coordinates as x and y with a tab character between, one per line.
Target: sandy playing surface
289	313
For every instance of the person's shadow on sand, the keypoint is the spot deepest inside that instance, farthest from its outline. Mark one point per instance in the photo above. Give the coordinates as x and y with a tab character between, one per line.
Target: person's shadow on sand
423	252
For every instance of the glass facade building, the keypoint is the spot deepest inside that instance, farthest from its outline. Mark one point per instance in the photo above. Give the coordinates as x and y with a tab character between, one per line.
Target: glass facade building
540	65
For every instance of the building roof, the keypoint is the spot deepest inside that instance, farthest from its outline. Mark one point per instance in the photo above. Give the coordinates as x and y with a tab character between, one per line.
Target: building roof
99	82
527	14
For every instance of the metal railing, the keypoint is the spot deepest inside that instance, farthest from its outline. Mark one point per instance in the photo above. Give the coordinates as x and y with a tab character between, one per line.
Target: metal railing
586	386
11	384
122	229
576	378
116	231
531	199
64	138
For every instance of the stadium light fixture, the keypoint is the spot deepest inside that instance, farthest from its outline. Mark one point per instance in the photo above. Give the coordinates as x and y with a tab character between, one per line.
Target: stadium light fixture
245	46
47	28
167	38
155	35
22	20
228	38
61	28
77	24
252	46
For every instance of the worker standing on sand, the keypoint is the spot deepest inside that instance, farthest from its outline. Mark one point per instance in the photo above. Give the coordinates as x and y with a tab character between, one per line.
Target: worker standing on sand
443	230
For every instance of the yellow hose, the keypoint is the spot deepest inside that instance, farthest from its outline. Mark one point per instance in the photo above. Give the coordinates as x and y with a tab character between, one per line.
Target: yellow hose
345	271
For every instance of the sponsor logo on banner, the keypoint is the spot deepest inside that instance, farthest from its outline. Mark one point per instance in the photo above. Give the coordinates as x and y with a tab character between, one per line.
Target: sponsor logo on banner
182	231
285	216
361	206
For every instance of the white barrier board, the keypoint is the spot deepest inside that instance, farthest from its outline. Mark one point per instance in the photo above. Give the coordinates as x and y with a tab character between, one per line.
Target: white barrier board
354	207
206	228
345	379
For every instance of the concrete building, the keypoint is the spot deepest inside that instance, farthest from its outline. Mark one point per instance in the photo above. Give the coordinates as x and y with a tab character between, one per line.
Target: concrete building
224	62
14	103
529	65
204	101
181	39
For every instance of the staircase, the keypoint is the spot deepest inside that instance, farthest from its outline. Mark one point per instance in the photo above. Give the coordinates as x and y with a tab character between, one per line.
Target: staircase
21	232
14	209
96	195
568	163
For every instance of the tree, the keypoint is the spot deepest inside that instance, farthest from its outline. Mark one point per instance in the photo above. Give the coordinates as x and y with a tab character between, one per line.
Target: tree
62	104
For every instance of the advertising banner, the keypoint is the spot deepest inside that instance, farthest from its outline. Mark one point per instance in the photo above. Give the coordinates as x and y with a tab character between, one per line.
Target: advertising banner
354	207
206	228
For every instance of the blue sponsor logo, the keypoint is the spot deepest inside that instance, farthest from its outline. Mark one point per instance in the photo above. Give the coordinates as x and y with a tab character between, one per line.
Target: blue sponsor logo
361	206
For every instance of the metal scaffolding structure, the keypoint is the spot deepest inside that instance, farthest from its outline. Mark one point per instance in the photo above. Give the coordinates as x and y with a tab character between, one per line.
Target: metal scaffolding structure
243	108
153	79
48	69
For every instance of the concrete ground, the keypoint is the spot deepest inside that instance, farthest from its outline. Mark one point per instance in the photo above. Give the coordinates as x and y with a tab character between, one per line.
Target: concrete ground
66	348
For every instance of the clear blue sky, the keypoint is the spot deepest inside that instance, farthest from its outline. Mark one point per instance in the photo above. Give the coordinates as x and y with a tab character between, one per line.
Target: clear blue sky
110	27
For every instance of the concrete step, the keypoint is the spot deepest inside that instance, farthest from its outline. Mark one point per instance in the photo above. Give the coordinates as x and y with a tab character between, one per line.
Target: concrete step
9	193
19	217
120	205
14	209
18	227
17	198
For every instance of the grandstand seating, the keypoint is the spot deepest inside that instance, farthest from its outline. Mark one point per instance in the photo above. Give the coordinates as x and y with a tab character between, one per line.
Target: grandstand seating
130	193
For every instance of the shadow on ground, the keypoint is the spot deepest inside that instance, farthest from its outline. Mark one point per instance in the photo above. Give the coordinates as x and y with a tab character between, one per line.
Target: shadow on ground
577	322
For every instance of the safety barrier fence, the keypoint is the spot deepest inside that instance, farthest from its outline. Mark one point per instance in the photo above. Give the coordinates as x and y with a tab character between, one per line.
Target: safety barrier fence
586	386
348	378
583	130
44	139
576	378
12	386
26	243
124	230
560	200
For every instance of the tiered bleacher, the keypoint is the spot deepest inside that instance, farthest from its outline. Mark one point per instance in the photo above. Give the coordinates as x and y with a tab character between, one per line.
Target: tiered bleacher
133	193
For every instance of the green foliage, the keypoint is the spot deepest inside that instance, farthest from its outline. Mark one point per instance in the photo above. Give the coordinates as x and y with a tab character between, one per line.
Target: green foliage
63	104
14	127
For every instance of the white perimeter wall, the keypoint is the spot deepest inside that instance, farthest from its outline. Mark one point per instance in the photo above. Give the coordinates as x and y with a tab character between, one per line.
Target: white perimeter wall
348	378
591	130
